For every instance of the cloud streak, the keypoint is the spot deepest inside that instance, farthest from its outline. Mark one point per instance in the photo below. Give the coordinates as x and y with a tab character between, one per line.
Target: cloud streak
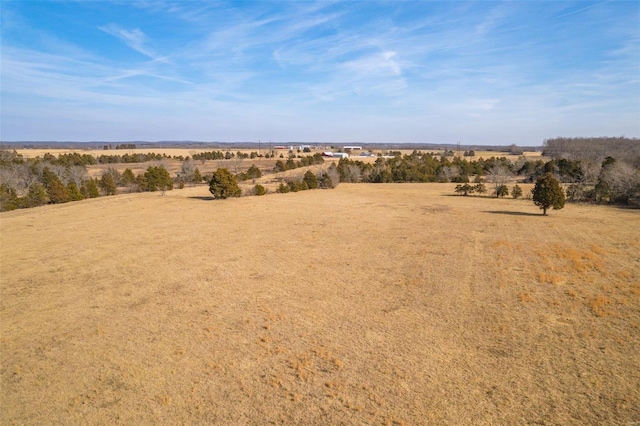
135	39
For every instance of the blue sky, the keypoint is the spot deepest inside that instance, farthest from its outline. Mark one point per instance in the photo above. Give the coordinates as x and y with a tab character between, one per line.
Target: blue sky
435	72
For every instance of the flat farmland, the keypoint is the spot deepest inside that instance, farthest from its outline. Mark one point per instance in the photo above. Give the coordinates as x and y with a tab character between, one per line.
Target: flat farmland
366	304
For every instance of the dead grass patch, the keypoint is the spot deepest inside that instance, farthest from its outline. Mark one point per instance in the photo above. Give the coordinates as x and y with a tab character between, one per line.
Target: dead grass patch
347	306
601	306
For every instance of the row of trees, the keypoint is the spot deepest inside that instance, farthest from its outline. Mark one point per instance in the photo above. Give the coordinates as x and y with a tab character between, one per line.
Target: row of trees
77	159
291	164
228	155
223	184
49	187
613	181
594	149
324	179
547	192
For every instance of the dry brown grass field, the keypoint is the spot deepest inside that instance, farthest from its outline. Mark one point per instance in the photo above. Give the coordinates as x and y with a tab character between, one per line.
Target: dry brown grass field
367	304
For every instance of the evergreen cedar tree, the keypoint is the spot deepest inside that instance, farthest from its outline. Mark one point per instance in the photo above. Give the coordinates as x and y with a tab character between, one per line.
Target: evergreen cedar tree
548	193
516	192
158	179
311	180
223	184
259	190
56	191
108	184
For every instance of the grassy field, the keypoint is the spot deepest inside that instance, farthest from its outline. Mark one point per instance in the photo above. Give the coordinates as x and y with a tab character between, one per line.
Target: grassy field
367	304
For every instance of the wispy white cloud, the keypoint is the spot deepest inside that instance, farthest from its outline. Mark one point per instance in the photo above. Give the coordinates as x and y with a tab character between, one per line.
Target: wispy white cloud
135	39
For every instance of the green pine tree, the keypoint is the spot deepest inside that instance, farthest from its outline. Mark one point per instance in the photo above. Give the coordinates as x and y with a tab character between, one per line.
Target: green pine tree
108	185
548	193
197	177
36	196
74	192
311	180
8	198
56	191
223	184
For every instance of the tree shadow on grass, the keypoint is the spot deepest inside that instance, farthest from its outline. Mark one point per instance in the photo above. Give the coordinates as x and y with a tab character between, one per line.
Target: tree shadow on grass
513	213
202	198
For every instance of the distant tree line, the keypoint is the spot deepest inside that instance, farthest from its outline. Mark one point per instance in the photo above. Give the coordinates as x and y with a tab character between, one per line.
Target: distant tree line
610	182
324	179
126	146
594	149
63	178
28	183
291	164
223	184
77	159
228	155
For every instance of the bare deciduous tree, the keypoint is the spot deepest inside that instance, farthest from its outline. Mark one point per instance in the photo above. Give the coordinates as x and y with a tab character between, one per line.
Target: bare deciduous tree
499	176
450	172
236	162
188	171
77	175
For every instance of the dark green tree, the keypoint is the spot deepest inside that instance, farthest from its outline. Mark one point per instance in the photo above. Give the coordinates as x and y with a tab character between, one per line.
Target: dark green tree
8	198
502	191
158	179
74	192
108	185
295	185
253	172
279	167
56	191
36	196
465	189
548	193
283	188
141	183
259	190
223	185
516	191
197	177
310	179
128	177
89	188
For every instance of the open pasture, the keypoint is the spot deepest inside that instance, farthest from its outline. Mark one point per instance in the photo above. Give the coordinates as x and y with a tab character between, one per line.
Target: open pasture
367	304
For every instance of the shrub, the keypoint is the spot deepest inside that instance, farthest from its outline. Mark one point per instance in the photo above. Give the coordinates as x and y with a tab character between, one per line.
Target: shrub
311	180
282	188
480	188
223	184
516	192
158	179
259	190
295	185
465	189
107	184
502	191
197	177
